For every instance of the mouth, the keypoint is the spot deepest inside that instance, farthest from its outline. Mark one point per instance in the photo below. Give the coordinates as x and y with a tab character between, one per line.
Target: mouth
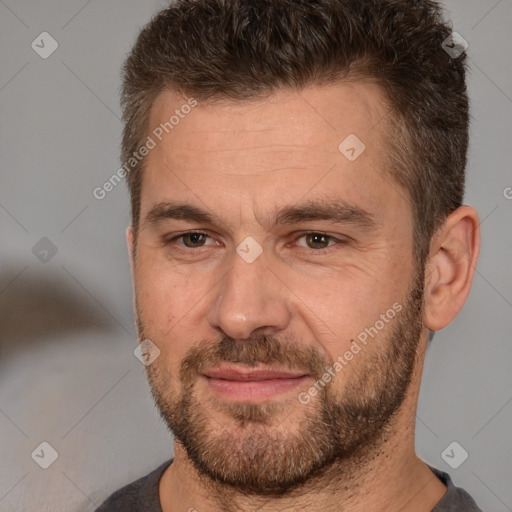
252	385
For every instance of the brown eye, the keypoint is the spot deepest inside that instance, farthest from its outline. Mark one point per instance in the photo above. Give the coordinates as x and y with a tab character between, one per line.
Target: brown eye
317	240
319	243
193	239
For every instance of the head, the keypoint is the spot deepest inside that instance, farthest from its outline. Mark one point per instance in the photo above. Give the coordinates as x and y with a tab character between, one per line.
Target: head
318	150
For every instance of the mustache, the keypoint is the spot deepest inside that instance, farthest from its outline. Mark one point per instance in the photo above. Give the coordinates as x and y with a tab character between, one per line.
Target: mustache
263	350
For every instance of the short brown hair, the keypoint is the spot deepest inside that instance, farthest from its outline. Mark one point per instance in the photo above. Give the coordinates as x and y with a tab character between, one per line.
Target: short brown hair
247	49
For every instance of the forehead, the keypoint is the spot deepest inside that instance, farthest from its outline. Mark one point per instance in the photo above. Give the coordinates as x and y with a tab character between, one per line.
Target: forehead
310	116
269	151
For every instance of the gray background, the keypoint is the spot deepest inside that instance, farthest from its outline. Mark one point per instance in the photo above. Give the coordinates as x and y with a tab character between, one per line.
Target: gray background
68	375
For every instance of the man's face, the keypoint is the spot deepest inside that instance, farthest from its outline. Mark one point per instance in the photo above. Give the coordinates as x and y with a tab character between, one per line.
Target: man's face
298	295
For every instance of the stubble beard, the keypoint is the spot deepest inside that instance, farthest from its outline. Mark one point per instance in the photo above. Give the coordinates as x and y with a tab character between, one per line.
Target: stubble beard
252	448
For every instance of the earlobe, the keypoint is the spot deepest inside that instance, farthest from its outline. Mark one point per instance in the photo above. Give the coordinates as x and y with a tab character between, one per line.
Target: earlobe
451	266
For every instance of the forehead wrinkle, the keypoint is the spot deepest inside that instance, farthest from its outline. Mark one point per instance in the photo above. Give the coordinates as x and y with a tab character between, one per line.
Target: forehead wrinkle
269	146
267	171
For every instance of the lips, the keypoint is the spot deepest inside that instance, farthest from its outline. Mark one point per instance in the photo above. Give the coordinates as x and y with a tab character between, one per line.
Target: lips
250	375
256	385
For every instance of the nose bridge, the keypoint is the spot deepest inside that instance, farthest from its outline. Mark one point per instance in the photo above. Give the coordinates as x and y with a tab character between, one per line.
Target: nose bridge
249	297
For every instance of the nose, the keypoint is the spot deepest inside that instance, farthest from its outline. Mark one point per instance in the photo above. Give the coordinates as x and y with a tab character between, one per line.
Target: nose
250	297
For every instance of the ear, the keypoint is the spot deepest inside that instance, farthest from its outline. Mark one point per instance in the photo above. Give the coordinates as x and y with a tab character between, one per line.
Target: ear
450	267
130	242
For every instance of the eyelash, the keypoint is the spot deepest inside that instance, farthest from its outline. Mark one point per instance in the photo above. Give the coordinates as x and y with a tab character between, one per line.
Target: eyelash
301	235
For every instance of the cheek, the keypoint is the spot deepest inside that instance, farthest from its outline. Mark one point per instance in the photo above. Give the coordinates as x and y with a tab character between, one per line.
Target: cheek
157	297
161	301
348	306
170	305
160	312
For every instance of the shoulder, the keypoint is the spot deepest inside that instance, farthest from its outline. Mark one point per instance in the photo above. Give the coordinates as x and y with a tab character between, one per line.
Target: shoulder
139	496
455	499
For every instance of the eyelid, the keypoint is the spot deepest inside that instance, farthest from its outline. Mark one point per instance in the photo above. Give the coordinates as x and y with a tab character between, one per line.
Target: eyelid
167	240
339	239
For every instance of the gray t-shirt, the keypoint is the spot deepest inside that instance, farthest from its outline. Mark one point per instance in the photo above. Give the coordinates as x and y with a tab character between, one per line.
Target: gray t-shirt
142	495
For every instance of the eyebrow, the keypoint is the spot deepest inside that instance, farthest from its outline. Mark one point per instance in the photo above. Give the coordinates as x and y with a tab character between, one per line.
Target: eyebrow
336	211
